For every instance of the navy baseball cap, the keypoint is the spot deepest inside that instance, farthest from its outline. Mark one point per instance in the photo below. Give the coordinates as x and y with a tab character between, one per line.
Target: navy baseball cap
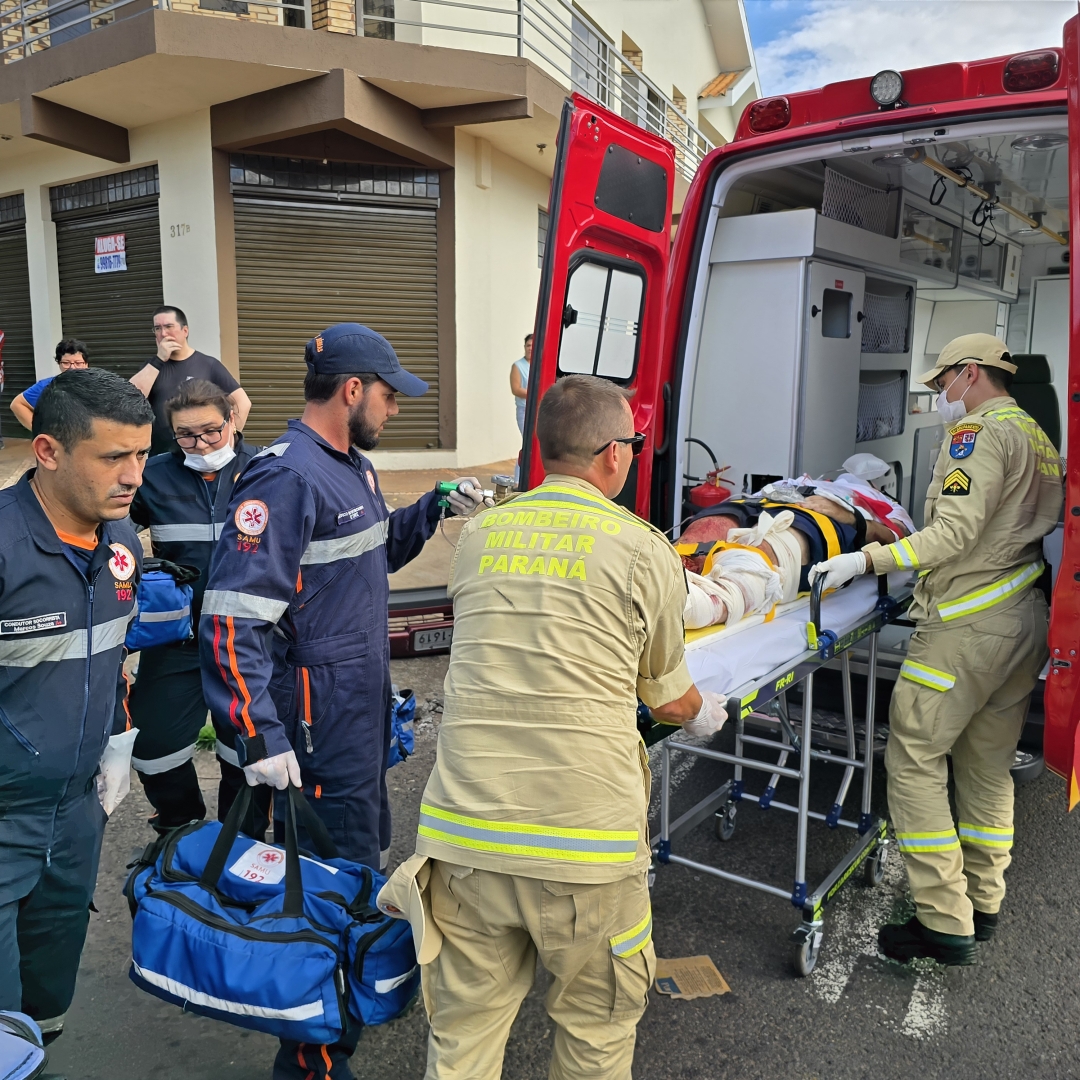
351	349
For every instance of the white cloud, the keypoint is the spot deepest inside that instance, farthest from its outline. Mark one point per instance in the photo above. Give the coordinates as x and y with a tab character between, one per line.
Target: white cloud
832	40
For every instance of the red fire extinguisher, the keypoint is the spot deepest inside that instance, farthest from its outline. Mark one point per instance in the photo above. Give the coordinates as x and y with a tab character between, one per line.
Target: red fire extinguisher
710	489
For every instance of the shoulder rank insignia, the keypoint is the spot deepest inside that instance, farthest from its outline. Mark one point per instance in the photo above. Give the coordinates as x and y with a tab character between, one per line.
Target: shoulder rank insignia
956	483
963	440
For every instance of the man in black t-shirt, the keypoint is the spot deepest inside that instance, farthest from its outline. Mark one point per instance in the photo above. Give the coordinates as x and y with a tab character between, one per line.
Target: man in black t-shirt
176	362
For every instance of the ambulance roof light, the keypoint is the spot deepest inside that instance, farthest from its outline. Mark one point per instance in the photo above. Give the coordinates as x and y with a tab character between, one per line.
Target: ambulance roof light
769	114
1031	71
886	88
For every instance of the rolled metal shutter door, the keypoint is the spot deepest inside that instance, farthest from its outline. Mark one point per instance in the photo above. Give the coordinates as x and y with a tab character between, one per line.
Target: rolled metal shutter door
16	323
112	313
301	268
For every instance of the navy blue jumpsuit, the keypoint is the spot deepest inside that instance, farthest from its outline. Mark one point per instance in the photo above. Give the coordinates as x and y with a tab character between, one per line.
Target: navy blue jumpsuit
294	635
63	620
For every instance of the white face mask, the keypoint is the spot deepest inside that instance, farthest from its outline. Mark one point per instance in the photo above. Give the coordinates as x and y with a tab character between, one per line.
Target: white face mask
205	463
951	411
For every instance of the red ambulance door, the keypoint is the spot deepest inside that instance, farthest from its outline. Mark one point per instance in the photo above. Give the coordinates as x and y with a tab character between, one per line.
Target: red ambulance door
601	304
1061	739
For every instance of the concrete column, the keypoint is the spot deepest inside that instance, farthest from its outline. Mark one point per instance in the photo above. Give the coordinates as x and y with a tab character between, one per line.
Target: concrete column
44	274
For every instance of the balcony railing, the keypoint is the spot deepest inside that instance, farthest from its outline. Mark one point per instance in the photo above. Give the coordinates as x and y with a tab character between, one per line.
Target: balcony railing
551	33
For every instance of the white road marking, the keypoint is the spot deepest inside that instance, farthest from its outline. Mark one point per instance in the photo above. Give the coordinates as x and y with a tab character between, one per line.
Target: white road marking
926	1015
681	764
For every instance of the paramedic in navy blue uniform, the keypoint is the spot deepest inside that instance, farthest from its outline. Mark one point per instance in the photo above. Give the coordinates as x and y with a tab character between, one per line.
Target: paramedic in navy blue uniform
294	634
184	501
69	568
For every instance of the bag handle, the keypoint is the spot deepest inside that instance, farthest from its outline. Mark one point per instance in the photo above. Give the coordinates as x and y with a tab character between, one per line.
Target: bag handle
294	883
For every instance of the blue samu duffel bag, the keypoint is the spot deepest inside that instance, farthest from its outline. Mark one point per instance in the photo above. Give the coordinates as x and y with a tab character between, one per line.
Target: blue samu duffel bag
264	937
164	611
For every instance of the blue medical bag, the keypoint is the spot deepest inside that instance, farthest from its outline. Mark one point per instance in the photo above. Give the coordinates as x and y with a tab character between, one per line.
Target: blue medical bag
264	937
402	714
164	599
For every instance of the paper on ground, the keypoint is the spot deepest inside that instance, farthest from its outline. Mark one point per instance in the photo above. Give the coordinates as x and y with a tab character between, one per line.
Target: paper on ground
689	977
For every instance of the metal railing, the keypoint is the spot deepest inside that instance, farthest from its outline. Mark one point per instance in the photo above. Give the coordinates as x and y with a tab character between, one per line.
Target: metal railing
558	38
552	33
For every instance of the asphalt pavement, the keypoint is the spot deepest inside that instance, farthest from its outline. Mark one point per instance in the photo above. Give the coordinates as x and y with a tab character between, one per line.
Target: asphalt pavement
1015	1014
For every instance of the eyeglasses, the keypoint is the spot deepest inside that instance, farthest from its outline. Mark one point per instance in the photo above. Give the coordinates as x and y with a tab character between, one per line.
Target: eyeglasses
635	442
211	437
164	328
67	365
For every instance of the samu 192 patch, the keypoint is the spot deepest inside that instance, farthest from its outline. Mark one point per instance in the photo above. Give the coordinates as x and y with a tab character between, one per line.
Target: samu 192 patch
963	440
956	483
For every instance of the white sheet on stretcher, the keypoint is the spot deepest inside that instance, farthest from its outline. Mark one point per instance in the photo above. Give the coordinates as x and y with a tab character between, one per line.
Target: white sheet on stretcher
733	656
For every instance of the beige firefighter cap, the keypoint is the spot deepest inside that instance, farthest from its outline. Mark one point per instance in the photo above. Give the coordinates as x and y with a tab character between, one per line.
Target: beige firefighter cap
969	349
406	896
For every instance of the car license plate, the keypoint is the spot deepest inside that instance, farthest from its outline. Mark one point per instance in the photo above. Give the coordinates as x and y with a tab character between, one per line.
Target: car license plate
426	640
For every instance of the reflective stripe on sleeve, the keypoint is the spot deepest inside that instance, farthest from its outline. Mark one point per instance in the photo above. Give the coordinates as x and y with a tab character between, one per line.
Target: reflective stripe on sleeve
345	547
154	766
904	554
536	841
242	605
29	652
227	753
927	676
982	599
165	616
201	531
985	835
928	841
634	940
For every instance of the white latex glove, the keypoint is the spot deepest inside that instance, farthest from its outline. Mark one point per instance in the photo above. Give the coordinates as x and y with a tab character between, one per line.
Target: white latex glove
711	716
468	496
114	779
840	569
277	771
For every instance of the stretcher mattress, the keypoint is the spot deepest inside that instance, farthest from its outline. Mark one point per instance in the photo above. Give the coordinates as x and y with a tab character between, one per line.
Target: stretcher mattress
724	658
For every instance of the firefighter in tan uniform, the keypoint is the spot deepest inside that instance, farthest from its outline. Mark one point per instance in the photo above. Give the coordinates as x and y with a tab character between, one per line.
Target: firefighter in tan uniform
976	654
533	835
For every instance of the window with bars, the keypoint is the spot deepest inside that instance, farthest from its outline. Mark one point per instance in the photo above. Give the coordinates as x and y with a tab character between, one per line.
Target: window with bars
295	174
12	209
105	190
542	219
376	13
590	60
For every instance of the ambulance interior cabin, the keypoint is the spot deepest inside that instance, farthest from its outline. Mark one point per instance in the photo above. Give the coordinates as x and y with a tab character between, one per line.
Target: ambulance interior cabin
837	273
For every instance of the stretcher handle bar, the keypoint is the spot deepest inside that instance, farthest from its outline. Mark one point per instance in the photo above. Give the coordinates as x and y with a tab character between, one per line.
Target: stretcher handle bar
815	603
748	797
784	894
734	759
961	181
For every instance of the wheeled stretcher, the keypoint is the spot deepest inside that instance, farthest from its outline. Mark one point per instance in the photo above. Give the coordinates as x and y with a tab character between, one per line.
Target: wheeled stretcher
757	666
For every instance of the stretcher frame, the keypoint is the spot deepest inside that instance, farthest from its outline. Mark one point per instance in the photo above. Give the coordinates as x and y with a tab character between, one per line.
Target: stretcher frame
870	849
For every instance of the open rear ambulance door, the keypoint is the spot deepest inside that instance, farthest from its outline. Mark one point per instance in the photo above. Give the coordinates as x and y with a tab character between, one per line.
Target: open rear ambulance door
1061	737
601	304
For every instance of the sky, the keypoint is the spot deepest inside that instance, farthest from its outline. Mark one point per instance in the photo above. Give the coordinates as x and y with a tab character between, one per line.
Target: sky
802	44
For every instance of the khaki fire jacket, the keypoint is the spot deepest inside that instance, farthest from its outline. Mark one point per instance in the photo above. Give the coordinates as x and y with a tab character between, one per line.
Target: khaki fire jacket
567	609
995	493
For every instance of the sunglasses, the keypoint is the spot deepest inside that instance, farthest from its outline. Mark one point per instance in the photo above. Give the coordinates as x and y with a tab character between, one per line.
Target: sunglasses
635	442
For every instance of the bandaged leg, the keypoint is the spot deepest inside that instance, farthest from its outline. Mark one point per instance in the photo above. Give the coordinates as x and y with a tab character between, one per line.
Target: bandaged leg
709	602
739	583
785	544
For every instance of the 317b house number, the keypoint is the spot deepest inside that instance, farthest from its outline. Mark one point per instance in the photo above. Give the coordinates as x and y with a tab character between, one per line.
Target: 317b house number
179	230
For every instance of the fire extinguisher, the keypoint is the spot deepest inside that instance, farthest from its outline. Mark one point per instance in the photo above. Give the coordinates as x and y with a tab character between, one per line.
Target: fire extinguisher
709	490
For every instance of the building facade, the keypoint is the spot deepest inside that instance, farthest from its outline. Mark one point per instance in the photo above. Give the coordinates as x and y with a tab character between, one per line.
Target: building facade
272	168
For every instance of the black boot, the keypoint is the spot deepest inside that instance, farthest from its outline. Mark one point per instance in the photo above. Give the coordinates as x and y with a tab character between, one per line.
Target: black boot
985	925
913	940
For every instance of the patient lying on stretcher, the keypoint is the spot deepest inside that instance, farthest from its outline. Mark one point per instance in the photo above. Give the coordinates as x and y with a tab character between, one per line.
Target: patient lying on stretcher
746	556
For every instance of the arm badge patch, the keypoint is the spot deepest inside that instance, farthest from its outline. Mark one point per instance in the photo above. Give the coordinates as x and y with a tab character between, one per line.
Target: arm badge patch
956	483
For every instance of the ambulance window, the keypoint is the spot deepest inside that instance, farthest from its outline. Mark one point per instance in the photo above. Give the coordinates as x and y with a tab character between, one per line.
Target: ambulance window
836	314
601	322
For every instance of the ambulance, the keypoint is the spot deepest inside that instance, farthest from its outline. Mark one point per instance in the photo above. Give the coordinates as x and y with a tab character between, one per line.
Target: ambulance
821	259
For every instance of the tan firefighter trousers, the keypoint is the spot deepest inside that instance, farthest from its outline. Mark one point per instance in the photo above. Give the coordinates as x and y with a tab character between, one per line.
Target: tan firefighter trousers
596	940
963	689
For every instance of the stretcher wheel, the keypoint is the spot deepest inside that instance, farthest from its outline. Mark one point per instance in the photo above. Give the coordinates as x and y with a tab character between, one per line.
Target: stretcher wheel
875	866
806	953
725	822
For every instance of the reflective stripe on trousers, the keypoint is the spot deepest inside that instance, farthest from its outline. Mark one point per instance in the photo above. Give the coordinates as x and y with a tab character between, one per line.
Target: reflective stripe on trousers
985	835
985	598
538	841
945	840
927	676
634	940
